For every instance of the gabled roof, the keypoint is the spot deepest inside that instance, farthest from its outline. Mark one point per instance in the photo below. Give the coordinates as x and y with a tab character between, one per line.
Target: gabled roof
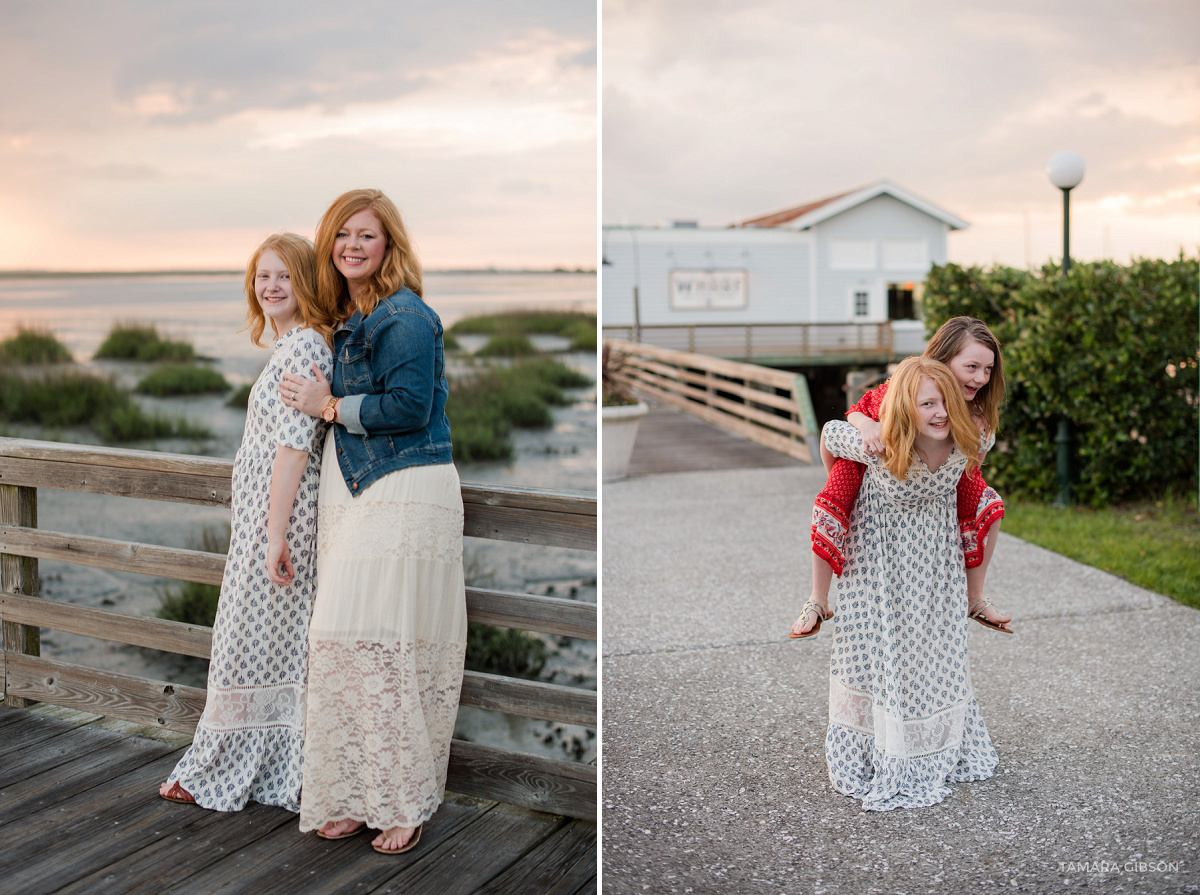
804	216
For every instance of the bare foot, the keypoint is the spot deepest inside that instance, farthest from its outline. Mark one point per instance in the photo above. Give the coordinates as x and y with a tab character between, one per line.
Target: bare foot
394	838
340	829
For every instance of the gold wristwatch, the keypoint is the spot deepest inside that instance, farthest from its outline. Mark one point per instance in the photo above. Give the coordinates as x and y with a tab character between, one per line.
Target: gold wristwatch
329	411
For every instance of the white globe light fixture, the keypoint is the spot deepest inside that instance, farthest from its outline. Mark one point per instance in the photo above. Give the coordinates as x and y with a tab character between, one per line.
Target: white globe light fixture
1066	172
1065	169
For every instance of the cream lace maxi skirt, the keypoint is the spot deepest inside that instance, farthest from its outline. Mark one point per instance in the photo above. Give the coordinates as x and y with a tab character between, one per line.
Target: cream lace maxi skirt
386	647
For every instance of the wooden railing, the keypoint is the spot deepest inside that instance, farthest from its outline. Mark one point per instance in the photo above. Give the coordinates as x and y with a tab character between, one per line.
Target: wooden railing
792	344
770	407
523	515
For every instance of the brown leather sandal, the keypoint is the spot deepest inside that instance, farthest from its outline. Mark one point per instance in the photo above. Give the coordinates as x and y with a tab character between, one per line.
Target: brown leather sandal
178	794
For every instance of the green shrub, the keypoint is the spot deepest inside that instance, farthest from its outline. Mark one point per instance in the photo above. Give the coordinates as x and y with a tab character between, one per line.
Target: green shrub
142	342
504	651
33	346
1112	348
180	379
507	344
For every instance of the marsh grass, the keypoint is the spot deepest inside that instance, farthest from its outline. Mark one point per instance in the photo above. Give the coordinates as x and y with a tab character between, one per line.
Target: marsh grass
507	344
504	651
485	408
552	323
241	397
142	342
182	379
1154	544
582	335
33	346
73	398
188	601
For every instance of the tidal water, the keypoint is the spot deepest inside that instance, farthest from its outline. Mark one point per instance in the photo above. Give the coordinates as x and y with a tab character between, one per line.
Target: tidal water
209	311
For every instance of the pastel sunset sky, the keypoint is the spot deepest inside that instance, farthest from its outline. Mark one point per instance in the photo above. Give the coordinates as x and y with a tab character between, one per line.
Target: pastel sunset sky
717	112
139	134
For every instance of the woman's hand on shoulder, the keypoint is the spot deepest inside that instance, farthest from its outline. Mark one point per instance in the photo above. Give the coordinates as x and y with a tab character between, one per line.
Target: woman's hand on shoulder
306	395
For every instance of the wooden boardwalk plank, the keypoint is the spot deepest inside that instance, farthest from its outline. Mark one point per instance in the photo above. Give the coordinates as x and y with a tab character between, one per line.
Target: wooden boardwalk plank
94	824
208	838
560	865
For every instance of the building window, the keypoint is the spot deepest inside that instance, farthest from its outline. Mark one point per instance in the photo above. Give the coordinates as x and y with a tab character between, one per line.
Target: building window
862	303
902	302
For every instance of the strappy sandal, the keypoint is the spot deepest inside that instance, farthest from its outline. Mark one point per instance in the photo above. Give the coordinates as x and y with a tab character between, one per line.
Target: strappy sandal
821	612
408	846
178	794
975	611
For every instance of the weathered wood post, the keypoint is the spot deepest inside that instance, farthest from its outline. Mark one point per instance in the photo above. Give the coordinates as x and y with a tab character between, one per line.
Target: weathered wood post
19	575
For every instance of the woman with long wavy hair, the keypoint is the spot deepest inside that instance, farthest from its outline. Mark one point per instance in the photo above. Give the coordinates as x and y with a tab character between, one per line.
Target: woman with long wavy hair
388	635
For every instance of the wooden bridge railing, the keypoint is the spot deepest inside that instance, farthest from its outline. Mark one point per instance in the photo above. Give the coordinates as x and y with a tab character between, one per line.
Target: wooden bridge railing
770	407
523	515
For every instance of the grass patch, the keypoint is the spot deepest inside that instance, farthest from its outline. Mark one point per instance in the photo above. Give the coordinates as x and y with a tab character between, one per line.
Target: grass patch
79	399
240	397
190	602
504	651
582	336
507	344
551	323
484	409
141	342
181	379
449	343
1153	544
33	346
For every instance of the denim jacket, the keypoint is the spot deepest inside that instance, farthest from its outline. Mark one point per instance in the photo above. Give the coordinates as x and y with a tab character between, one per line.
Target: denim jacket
390	371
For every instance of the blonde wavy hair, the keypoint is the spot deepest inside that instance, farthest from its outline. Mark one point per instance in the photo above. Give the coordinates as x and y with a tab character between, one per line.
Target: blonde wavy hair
951	339
901	422
297	253
400	266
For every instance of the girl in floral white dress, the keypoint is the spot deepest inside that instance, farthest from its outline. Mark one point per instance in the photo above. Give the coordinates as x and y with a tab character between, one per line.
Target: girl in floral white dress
903	720
249	742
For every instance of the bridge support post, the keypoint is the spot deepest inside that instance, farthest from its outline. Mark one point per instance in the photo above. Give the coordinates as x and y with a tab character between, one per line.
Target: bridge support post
18	575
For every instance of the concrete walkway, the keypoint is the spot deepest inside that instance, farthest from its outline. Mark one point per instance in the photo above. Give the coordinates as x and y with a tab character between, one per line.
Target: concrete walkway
714	723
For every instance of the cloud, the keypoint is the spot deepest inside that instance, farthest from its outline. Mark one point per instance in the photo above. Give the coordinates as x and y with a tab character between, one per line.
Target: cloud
167	125
719	111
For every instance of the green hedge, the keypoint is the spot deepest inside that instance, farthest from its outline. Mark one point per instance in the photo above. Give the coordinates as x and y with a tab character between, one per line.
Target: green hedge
1112	347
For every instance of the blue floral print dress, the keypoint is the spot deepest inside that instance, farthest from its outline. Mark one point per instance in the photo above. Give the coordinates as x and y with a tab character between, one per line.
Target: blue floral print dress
903	720
249	742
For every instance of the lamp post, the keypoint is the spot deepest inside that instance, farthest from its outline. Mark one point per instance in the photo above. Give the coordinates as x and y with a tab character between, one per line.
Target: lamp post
1066	172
